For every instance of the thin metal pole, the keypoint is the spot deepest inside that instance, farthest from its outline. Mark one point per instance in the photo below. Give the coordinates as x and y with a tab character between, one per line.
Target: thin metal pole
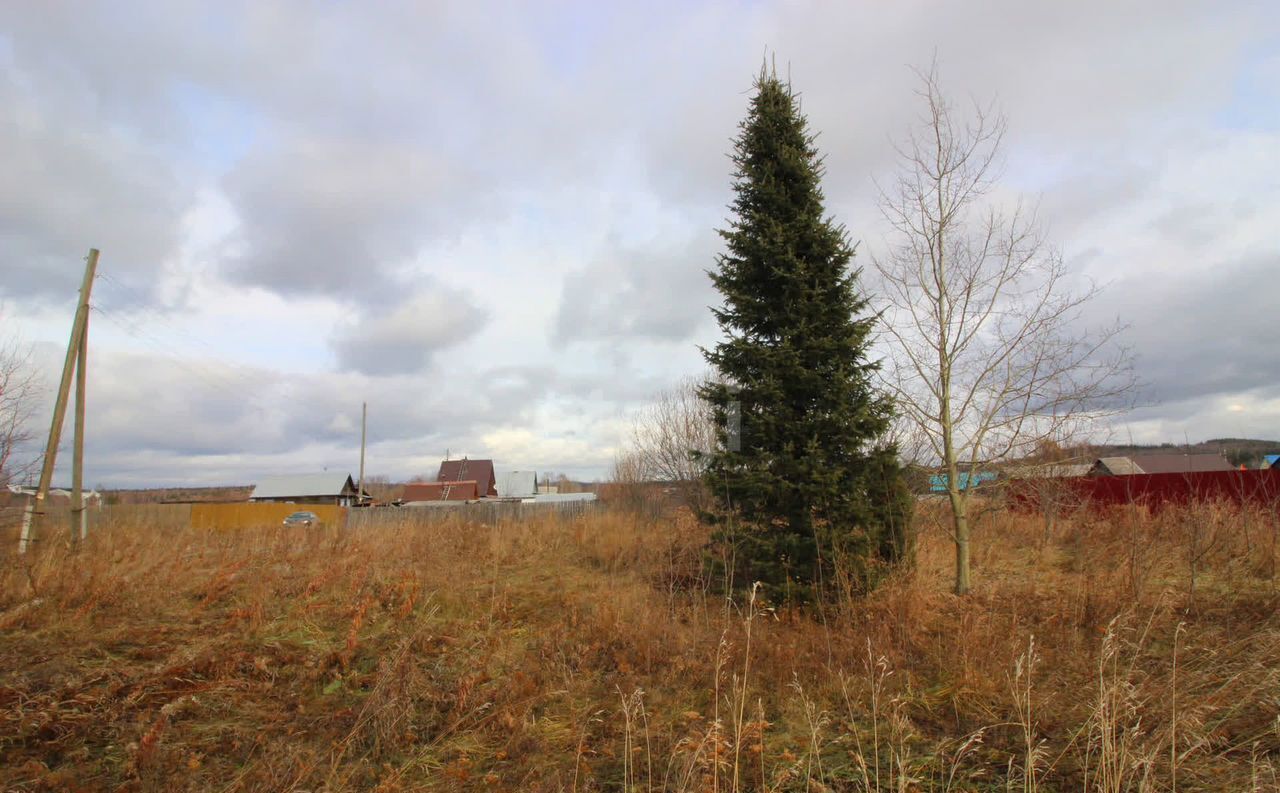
364	419
60	405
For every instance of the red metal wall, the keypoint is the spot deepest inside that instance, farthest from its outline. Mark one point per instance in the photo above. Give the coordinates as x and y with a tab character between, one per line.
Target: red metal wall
1155	490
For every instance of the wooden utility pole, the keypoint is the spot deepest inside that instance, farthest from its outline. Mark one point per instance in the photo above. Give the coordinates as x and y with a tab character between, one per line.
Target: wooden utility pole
364	419
77	450
74	351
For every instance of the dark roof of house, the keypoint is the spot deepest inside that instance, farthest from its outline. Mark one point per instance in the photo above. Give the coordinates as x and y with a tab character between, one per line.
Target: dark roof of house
1175	463
479	471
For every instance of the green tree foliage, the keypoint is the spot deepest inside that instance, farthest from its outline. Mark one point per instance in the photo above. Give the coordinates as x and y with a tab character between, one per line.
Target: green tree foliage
807	489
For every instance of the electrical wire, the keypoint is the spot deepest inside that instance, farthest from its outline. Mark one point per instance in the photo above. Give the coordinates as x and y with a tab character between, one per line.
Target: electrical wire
218	380
140	298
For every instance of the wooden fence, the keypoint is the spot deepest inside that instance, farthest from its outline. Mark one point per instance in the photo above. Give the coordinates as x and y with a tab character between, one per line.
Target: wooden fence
252	515
56	523
490	512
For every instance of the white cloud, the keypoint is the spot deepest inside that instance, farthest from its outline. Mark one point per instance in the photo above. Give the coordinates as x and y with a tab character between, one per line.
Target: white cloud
520	448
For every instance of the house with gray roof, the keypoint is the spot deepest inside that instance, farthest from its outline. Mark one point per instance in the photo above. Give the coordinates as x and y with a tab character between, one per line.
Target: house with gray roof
1162	463
517	484
323	488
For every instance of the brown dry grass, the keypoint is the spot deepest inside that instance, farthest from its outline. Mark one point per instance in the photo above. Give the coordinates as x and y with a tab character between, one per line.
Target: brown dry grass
591	654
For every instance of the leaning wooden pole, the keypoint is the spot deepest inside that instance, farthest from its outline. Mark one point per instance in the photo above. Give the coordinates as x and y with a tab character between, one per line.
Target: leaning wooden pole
79	524
36	509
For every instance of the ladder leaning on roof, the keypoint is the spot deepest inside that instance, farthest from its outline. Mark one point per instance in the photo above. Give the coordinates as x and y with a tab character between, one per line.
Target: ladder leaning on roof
448	488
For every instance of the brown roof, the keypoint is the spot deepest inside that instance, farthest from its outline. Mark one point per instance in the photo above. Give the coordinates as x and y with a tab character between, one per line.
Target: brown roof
441	491
478	471
1177	463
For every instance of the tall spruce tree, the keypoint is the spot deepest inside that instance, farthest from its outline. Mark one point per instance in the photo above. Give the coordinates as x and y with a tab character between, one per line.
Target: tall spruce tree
806	486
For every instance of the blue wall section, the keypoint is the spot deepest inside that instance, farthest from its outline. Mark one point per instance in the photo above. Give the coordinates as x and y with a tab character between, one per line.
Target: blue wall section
938	482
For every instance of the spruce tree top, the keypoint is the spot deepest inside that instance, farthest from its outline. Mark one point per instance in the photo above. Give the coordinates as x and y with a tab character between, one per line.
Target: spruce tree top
790	304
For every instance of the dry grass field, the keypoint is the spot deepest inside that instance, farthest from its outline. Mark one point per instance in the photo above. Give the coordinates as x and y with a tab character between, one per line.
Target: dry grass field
1124	652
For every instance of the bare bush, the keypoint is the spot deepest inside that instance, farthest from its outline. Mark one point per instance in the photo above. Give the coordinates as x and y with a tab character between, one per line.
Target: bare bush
19	393
669	438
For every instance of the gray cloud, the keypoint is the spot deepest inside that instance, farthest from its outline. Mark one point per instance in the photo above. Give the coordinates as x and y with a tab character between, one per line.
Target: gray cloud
656	293
1200	335
71	183
403	338
1248	414
334	217
342	168
157	418
342	160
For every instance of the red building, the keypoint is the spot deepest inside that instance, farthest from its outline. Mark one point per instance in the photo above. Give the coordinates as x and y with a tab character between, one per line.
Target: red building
441	491
464	470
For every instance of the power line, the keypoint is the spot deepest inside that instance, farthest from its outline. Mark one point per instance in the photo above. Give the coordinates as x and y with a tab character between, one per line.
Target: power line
156	317
219	380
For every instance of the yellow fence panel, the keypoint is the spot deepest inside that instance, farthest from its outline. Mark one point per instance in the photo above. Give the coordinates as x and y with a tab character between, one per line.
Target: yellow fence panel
257	515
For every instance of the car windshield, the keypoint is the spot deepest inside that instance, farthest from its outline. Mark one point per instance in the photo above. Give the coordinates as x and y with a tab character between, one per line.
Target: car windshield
300	515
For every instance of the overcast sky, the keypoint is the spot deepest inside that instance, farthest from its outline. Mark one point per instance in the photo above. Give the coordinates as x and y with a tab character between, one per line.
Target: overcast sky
492	222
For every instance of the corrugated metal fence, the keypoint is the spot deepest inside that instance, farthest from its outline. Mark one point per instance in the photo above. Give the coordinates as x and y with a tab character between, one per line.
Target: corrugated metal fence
1259	487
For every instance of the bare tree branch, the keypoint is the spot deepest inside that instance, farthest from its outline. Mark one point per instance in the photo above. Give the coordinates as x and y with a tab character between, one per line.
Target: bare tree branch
19	395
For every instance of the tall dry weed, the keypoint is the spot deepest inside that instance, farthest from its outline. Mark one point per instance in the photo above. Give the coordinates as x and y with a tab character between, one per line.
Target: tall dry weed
588	653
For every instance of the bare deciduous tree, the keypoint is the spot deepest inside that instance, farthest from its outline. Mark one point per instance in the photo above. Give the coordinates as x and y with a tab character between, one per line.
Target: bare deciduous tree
19	393
664	438
986	358
381	489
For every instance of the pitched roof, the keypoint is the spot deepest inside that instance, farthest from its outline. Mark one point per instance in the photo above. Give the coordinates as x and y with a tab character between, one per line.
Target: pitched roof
1119	466
1176	463
304	485
517	483
1050	471
1165	463
441	491
55	492
479	471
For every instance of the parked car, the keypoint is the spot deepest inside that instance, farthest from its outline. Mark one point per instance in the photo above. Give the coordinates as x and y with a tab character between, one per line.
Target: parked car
302	519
